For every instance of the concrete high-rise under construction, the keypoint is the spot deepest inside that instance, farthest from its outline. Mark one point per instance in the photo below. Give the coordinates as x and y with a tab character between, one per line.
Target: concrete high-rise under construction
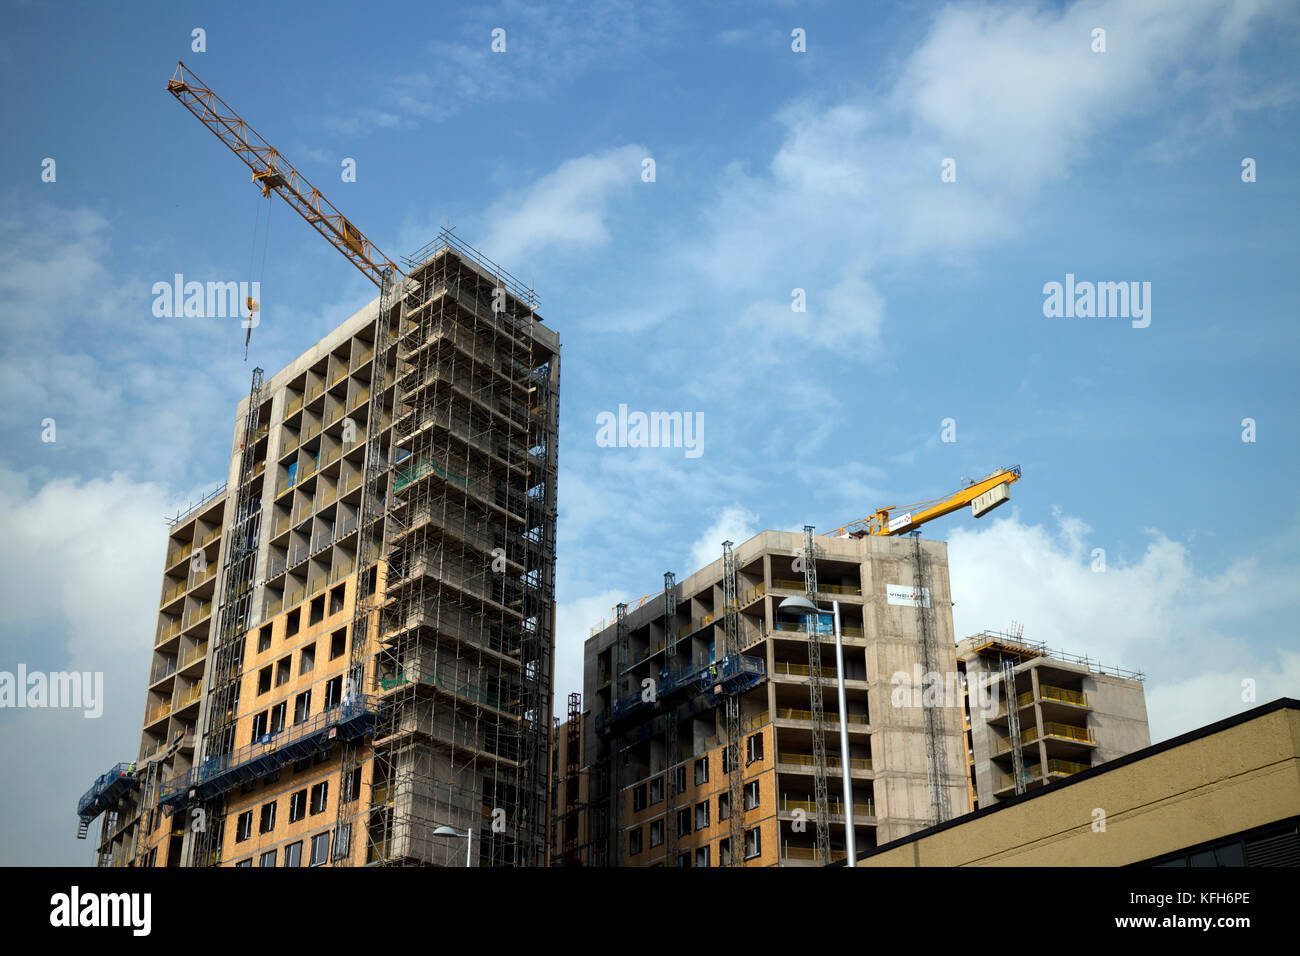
1052	714
709	710
713	694
354	656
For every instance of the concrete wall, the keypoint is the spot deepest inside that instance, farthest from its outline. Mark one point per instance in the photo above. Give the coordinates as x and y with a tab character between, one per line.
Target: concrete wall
1116	714
1119	716
899	748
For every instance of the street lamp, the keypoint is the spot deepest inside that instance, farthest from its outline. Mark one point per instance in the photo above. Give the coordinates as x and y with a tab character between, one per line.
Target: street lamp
801	605
468	836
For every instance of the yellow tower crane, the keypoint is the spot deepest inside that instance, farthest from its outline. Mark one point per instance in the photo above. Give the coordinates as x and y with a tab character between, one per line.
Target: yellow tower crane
983	496
272	173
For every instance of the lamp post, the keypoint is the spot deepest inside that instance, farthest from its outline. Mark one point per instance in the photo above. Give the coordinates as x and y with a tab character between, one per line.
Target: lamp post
468	836
800	605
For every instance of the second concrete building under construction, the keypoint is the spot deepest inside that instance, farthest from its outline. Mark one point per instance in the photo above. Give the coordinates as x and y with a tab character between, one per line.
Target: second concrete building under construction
703	741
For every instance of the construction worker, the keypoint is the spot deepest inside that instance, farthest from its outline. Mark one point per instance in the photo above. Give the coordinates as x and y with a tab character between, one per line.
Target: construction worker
130	770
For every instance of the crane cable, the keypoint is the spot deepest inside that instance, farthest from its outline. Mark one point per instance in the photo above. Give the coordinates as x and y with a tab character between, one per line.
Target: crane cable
252	304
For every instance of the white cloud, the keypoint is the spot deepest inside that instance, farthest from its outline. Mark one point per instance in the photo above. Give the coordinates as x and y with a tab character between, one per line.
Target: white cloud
1014	95
735	524
59	261
565	209
573	622
1195	635
121	386
79	579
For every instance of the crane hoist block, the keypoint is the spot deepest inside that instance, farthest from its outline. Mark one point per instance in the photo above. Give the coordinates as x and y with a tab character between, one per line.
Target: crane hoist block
991	499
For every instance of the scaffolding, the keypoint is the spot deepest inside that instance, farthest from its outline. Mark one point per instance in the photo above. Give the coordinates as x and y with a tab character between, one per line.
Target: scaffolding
372	531
226	671
601	848
463	668
670	719
936	742
1013	725
820	763
731	627
572	855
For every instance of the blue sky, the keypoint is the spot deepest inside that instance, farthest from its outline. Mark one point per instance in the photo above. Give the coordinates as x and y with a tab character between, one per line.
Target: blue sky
775	170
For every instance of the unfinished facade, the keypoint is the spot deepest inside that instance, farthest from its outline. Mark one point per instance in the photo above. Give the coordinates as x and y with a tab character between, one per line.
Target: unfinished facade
383	622
667	765
569	789
1051	714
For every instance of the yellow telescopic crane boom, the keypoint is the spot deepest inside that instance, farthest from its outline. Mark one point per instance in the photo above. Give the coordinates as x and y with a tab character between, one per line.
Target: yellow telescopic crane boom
983	496
273	174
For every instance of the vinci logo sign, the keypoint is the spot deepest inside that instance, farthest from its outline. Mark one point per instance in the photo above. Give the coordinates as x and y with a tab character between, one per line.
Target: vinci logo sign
899	521
906	595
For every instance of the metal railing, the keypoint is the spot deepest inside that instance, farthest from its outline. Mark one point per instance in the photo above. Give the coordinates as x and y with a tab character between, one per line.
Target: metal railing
167	633
807	760
205	576
187	698
1064	768
196	614
801	670
190	511
830	717
845	630
1068	732
836	806
361	358
167	669
787	585
171	594
1050	730
193	654
807	853
1062	695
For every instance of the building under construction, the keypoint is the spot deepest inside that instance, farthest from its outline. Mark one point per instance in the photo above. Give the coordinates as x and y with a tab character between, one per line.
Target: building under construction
706	731
356	633
1036	715
570	785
